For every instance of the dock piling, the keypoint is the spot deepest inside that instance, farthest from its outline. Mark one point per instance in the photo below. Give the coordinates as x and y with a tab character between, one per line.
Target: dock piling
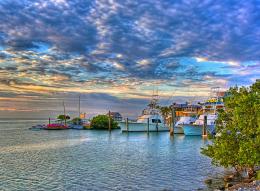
127	125
148	124
204	133
172	123
109	120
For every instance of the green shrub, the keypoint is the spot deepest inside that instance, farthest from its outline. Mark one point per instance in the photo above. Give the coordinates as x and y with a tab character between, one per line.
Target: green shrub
102	122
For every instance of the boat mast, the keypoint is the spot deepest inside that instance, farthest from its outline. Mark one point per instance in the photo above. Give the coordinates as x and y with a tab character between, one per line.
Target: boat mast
64	110
79	105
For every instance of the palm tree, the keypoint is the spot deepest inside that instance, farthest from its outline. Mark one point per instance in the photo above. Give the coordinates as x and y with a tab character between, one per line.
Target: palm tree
165	111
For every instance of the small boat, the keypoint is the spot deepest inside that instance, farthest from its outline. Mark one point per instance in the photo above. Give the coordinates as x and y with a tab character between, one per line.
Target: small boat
151	120
56	126
80	124
37	127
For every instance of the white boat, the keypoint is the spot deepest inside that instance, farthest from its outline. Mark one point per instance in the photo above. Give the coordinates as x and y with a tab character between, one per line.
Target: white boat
209	109
185	120
197	127
155	124
151	120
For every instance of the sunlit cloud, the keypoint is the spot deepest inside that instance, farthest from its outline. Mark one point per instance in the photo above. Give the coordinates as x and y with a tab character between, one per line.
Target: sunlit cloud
119	51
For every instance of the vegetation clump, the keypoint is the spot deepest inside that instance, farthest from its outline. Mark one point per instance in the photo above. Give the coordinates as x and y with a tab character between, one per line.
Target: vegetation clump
62	117
237	140
102	122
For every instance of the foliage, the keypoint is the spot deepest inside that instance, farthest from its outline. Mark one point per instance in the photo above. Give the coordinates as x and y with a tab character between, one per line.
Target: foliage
62	117
102	122
237	143
165	111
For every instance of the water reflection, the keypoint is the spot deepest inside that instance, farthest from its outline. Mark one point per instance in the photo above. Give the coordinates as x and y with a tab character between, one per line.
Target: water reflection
99	160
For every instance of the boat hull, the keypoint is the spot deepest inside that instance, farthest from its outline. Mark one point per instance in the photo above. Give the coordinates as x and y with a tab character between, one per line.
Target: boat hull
196	130
78	127
142	127
178	130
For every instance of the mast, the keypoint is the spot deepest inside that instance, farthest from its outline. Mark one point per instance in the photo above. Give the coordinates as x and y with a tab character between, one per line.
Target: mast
79	105
64	111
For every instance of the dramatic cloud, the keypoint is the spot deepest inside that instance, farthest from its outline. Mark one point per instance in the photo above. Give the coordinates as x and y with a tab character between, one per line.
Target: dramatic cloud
123	49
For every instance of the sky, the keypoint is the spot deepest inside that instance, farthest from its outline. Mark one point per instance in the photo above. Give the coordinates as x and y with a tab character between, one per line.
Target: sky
115	53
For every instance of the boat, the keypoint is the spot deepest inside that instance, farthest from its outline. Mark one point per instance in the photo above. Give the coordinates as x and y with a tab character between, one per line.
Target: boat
151	120
185	114
184	120
196	128
80	124
210	110
56	126
37	127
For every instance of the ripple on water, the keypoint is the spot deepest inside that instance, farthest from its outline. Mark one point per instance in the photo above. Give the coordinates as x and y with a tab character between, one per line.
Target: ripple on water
97	160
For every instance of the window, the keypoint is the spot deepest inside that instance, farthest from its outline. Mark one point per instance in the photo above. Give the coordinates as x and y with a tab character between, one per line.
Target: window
156	121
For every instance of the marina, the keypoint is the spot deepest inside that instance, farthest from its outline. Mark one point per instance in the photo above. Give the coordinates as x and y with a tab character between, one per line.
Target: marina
146	95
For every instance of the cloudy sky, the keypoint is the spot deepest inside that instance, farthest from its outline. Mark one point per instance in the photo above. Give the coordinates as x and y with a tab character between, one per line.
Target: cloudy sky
115	52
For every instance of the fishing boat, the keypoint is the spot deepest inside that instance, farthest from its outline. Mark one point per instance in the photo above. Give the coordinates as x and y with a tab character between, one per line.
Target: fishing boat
151	120
209	109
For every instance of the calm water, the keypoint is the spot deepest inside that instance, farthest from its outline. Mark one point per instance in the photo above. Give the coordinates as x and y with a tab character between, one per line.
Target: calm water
97	160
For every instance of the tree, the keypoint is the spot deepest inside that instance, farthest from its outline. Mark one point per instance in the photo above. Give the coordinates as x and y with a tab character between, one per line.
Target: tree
237	142
165	111
102	122
62	117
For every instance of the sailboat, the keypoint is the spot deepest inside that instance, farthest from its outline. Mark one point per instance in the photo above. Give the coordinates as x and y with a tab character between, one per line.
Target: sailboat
58	126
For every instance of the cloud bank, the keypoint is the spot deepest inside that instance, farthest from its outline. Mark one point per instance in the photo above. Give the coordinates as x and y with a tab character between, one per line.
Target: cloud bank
126	48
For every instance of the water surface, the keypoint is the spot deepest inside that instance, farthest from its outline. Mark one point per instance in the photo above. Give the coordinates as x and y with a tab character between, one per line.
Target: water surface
98	160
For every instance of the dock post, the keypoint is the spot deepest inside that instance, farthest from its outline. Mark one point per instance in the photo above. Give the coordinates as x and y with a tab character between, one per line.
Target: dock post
109	120
157	128
148	125
204	133
127	125
172	122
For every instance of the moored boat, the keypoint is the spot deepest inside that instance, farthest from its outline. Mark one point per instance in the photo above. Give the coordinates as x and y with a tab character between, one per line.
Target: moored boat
210	109
37	127
56	126
197	127
184	120
156	124
151	120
